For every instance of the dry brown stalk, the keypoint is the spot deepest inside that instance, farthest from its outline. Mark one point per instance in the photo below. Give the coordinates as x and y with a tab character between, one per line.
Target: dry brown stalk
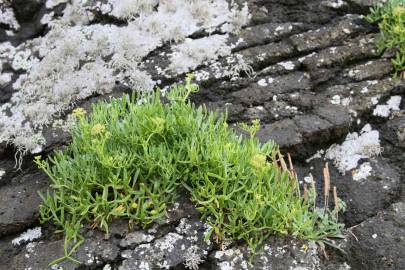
282	162
305	193
326	178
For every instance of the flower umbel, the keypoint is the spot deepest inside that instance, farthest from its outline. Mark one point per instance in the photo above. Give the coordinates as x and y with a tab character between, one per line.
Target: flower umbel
79	112
97	129
398	11
258	161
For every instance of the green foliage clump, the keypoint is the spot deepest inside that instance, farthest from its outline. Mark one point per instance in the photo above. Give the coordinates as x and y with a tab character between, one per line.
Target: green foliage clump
391	21
129	158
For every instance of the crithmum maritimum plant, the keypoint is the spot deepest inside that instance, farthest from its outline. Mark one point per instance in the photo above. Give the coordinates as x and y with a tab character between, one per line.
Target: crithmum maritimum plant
129	158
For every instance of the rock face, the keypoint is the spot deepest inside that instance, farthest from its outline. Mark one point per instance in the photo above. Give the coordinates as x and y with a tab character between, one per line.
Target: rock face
19	203
380	240
309	70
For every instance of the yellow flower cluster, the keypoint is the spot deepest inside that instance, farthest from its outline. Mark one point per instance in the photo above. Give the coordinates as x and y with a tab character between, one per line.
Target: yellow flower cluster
79	112
258	161
97	129
398	29
398	11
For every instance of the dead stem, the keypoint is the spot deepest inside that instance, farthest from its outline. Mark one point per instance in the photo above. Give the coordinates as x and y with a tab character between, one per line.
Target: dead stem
326	178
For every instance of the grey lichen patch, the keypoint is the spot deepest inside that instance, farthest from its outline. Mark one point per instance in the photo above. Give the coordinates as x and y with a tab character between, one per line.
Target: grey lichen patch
28	236
357	146
385	110
192	53
291	255
7	15
193	257
184	246
135	238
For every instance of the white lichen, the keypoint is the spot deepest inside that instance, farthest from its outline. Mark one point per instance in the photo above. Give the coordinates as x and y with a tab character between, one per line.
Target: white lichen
54	3
167	243
128	9
231	259
192	257
309	179
5	78
334	4
363	172
194	52
28	236
392	105
107	267
136	238
288	65
144	266
318	154
262	83
337	100
7	16
356	146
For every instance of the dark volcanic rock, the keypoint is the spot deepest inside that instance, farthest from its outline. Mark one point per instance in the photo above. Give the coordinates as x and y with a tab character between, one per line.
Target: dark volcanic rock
284	132
313	127
379	242
370	71
264	33
25	10
19	203
357	49
338	116
28	13
96	251
270	54
365	198
38	255
258	93
326	36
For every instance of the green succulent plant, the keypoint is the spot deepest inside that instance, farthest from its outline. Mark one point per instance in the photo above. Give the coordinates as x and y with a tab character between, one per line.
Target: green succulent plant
130	157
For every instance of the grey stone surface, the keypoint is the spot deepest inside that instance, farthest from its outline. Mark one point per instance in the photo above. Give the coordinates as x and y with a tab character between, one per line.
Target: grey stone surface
284	132
326	36
264	33
275	255
19	203
185	246
356	49
256	94
374	69
94	252
378	243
